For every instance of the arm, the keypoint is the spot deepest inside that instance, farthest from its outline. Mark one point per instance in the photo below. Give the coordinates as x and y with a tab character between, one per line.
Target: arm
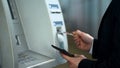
113	60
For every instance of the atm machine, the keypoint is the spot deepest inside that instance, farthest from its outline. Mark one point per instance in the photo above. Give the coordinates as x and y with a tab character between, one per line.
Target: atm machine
28	28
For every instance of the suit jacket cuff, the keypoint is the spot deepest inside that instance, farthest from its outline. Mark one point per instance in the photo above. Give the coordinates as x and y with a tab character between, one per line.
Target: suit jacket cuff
95	49
85	63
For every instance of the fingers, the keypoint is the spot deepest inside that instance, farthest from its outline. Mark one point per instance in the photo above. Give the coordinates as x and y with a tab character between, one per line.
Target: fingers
82	40
77	35
69	58
77	38
76	55
78	43
74	61
83	56
77	32
66	57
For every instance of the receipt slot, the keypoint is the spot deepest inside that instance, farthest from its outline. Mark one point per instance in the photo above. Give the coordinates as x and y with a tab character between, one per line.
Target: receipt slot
28	28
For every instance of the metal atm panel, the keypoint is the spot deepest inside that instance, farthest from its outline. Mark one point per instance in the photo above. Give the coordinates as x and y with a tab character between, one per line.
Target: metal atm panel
28	28
36	25
41	19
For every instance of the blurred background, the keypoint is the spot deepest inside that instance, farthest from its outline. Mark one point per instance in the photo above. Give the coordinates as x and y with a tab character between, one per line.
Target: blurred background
85	15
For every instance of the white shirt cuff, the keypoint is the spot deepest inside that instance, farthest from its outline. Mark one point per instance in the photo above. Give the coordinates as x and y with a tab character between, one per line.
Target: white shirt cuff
91	48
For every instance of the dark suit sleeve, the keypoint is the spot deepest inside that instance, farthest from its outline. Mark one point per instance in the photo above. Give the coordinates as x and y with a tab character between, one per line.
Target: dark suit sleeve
95	49
87	64
113	60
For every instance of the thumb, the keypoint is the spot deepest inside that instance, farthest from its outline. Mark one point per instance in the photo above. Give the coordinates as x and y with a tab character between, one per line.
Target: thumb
66	57
83	56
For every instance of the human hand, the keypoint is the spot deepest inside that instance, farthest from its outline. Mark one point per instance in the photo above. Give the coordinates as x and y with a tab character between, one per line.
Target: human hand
83	40
73	61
